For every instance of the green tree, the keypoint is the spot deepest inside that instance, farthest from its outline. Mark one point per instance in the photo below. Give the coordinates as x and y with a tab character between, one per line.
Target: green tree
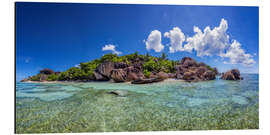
52	77
35	77
146	73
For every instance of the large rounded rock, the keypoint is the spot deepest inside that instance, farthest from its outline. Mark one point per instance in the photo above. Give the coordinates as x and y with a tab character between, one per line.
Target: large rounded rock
46	71
172	75
200	70
43	77
118	65
233	74
100	77
180	69
119	75
153	75
188	62
188	76
162	75
133	73
105	69
209	75
132	76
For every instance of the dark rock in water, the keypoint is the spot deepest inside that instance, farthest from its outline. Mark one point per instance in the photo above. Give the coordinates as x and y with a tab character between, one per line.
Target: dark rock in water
105	69
209	75
119	93
233	74
188	69
145	81
46	71
119	75
100	77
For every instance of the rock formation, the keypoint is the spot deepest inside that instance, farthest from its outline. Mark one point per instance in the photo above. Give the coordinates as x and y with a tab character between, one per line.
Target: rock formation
233	74
188	69
133	70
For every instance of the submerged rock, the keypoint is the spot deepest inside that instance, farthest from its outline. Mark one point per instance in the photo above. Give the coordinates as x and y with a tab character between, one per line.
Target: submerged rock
233	74
119	93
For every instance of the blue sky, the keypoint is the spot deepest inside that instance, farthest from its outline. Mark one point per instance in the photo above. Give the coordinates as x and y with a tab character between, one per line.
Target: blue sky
59	36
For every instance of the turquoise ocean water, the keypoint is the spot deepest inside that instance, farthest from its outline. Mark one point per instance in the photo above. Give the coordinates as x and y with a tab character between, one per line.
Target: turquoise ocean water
169	105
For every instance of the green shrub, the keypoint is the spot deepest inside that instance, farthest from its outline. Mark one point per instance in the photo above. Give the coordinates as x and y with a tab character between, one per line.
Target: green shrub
146	73
35	78
52	77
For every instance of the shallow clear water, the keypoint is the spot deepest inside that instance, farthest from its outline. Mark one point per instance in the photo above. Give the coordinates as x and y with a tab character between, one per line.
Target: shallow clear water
176	105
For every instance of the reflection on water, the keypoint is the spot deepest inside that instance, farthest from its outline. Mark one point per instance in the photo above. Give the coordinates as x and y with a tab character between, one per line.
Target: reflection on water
175	105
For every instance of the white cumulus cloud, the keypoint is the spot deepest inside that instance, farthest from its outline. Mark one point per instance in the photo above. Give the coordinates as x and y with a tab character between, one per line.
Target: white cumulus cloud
216	41
154	41
177	38
209	42
111	47
237	55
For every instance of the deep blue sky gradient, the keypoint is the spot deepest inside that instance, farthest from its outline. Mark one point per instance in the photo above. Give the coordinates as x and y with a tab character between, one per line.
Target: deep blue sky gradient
61	35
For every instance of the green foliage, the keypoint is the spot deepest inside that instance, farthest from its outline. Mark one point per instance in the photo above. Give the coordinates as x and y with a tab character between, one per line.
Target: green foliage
151	65
159	65
63	76
166	66
146	73
110	57
52	77
208	67
86	69
35	78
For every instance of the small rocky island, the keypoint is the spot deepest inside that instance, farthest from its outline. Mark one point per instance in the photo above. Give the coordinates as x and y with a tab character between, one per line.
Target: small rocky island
137	69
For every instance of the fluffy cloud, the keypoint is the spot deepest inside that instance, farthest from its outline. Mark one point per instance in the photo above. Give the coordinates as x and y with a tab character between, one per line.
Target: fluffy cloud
209	42
154	41
206	42
216	41
111	47
177	38
237	55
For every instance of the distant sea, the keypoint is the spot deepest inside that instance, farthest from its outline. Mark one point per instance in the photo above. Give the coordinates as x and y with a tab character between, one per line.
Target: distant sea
169	105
